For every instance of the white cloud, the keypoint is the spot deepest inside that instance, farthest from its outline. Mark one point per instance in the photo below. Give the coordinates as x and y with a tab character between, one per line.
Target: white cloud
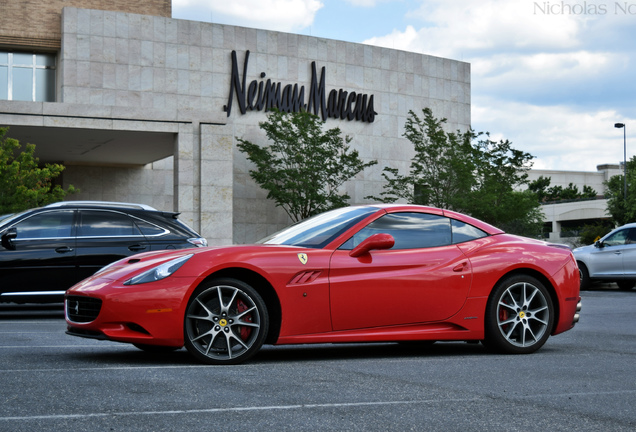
558	136
280	15
553	81
462	28
364	3
370	3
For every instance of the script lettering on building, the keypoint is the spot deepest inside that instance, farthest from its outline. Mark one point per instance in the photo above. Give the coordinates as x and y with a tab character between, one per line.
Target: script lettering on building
262	95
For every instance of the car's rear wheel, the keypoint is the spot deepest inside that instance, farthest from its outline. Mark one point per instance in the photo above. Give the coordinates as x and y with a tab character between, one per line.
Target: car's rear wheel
625	285
226	322
519	316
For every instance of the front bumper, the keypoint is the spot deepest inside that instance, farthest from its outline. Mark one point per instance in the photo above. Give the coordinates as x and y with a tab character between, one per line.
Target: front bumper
150	314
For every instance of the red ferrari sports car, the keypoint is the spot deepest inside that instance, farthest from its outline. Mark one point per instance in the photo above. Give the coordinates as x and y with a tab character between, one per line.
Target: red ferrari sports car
355	274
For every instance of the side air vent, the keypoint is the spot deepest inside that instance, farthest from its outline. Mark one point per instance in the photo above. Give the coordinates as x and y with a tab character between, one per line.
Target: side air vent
305	277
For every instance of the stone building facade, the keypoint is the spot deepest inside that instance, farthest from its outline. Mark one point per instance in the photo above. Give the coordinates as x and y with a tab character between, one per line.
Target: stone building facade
137	105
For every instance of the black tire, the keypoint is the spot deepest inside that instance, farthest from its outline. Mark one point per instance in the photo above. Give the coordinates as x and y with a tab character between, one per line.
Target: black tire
625	285
519	316
586	283
226	322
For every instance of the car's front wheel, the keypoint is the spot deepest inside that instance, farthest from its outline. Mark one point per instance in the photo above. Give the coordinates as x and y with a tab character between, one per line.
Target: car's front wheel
226	322
519	316
586	283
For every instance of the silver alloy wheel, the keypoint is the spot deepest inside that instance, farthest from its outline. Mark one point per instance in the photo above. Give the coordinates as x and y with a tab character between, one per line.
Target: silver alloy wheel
523	314
223	324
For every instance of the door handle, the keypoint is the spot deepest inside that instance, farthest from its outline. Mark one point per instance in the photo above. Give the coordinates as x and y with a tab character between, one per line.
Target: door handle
64	249
136	248
460	267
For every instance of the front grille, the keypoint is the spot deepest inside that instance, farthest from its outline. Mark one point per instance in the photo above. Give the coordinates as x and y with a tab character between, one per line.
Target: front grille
81	309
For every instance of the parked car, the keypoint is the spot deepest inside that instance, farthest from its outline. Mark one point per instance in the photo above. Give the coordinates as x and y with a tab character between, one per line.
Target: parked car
45	251
610	259
355	274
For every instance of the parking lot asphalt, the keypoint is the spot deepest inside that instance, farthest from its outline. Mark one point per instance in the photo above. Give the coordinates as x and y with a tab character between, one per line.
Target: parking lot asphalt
583	380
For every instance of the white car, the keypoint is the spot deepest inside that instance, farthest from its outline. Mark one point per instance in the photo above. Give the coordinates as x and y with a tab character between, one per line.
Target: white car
611	259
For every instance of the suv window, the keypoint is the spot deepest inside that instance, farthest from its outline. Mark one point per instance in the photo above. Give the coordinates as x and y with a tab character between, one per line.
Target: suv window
148	229
95	223
622	237
54	224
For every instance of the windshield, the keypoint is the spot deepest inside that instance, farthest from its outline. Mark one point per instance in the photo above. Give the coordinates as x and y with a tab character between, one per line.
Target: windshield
318	231
6	219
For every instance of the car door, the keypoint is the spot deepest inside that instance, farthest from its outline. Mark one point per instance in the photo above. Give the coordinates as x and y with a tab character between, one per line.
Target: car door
628	255
607	261
38	253
423	278
105	236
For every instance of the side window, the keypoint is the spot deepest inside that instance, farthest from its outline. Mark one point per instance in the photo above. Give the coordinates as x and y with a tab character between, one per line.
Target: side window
148	229
616	239
95	223
463	232
54	224
410	231
622	237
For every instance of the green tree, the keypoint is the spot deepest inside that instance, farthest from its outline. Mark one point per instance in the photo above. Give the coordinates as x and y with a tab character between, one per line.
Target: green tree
23	183
622	208
546	194
466	172
440	171
303	168
541	187
593	232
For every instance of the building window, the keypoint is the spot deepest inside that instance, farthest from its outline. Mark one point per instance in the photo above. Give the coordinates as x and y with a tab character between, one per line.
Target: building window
27	76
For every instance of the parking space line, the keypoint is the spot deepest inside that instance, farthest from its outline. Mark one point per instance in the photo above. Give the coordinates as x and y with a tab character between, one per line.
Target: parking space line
237	409
295	407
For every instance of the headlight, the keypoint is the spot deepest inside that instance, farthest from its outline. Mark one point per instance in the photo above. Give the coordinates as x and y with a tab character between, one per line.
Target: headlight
162	271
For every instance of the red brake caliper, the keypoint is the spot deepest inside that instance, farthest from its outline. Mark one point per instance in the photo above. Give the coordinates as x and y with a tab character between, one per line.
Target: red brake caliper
503	315
245	331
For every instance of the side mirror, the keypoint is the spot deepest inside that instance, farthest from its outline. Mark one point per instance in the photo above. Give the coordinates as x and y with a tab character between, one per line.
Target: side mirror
599	244
375	242
7	238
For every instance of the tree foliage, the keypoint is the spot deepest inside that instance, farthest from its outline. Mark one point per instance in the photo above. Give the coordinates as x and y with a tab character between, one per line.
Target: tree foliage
303	168
591	233
465	172
553	194
622	208
23	183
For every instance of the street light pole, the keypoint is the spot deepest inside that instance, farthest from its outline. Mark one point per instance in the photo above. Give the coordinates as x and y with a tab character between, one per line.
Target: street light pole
622	126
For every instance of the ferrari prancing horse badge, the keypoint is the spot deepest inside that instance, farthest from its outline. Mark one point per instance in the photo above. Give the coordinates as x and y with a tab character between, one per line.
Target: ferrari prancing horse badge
303	258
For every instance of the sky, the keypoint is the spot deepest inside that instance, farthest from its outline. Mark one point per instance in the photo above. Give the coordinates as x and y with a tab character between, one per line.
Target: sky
553	77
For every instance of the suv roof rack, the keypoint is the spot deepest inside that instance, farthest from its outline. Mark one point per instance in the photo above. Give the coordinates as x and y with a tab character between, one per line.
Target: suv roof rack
101	204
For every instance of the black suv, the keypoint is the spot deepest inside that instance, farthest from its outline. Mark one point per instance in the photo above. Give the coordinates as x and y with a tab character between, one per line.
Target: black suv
47	250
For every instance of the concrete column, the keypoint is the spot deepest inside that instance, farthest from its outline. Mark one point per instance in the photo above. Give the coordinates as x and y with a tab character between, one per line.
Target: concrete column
186	199
217	184
555	235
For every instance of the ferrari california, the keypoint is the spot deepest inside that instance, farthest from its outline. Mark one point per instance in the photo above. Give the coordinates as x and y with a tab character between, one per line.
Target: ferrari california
356	274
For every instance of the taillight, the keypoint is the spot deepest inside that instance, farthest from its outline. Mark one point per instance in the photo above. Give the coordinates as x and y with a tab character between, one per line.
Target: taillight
198	242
